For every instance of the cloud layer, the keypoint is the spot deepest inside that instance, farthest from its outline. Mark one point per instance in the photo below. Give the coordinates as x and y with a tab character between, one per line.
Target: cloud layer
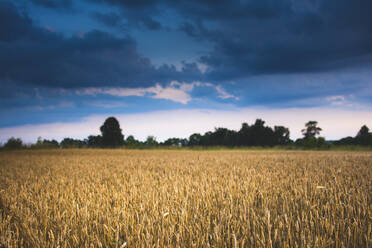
62	60
247	38
175	91
39	56
269	37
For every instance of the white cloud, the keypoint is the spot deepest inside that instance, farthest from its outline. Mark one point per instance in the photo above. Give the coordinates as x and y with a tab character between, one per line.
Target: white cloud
337	100
125	91
224	94
175	91
202	67
336	123
343	101
170	93
176	94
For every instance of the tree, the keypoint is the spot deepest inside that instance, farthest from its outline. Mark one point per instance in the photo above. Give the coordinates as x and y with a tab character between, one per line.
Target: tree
364	131
132	142
363	137
151	141
281	135
72	143
13	143
206	139
50	144
345	141
255	135
223	137
195	139
45	144
175	142
311	129
260	135
244	135
94	141
111	133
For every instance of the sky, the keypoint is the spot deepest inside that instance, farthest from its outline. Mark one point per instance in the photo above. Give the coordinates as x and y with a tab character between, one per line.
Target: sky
172	68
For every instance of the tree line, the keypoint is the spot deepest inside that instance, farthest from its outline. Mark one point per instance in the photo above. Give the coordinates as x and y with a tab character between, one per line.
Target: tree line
258	134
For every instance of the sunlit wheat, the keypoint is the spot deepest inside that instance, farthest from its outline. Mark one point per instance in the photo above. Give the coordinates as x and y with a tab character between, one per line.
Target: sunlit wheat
121	198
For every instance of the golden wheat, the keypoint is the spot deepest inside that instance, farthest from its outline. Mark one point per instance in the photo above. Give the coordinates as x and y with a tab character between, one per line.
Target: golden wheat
120	198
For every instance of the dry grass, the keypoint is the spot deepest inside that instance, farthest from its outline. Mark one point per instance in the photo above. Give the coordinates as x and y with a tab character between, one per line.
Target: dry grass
119	198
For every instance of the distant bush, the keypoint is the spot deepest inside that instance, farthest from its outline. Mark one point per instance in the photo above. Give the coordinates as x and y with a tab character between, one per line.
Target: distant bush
72	143
14	143
312	142
45	144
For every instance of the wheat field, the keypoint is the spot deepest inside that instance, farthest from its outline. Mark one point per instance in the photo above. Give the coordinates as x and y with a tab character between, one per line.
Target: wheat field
167	198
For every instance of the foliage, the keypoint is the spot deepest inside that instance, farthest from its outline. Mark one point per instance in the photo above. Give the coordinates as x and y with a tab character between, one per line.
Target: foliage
175	142
312	142
121	198
363	138
132	142
345	141
151	141
311	130
111	133
13	143
256	135
72	143
94	141
281	135
195	139
45	144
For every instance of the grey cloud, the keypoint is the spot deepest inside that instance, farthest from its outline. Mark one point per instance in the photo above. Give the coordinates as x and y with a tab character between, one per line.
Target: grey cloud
54	4
269	36
36	56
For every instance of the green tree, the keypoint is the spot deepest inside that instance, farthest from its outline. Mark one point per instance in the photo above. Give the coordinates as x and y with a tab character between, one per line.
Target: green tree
175	142
94	141
151	141
244	135
363	132
281	135
195	139
132	142
311	130
14	143
72	143
364	137
45	144
111	133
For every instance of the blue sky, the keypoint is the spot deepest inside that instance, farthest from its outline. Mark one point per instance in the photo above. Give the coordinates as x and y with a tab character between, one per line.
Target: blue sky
172	68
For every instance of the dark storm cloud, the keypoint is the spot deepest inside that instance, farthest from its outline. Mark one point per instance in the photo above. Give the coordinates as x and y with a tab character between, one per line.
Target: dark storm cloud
54	4
125	21
13	25
151	23
110	19
248	38
270	36
135	4
223	10
133	14
40	57
267	37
